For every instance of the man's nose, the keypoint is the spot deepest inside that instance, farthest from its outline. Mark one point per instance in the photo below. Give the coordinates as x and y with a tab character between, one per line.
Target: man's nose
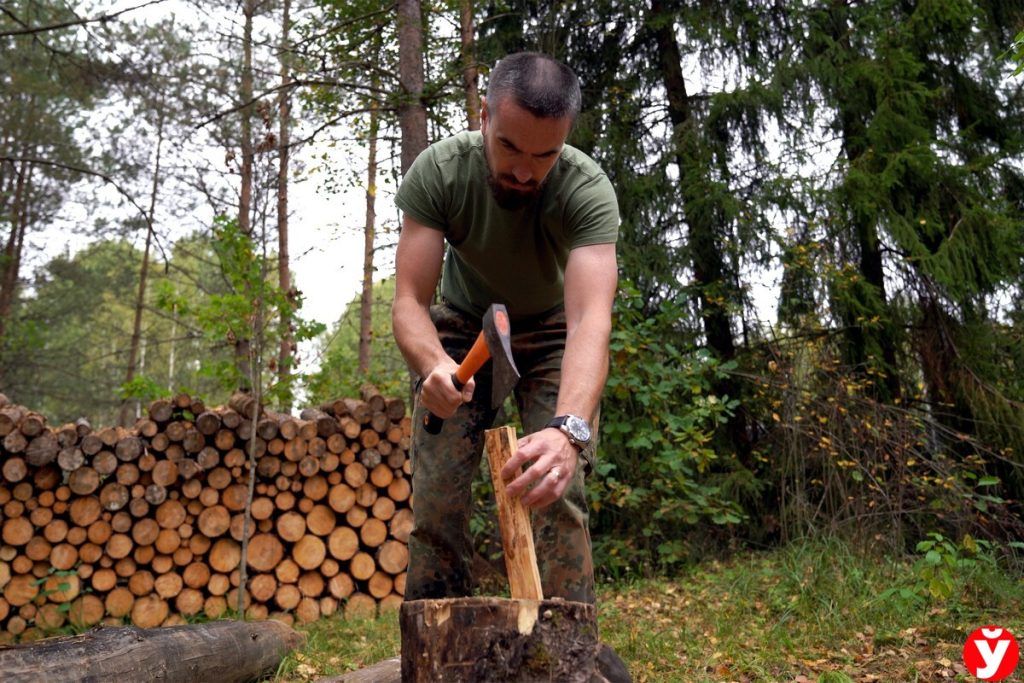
522	174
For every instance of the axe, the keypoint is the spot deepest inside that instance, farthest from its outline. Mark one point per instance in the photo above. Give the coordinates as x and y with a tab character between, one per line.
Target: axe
494	342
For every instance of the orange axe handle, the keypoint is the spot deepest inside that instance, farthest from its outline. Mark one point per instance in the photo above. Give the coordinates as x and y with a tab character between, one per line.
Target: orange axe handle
474	360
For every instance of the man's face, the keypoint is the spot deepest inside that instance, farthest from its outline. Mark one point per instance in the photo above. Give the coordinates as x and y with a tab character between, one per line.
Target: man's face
521	149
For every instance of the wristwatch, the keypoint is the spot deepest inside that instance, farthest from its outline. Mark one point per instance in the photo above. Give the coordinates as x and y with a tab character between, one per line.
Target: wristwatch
575	427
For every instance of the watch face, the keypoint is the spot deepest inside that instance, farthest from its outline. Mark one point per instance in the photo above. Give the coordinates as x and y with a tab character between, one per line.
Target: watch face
578	428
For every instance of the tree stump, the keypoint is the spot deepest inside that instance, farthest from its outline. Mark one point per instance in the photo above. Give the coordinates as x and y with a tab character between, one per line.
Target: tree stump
495	639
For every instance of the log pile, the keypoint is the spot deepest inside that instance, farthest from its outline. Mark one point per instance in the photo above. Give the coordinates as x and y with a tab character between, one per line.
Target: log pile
146	525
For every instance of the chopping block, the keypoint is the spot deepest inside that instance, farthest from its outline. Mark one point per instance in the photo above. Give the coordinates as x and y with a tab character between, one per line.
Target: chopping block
525	638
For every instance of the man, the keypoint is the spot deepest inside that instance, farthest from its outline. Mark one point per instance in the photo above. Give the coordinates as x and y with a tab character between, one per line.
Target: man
531	223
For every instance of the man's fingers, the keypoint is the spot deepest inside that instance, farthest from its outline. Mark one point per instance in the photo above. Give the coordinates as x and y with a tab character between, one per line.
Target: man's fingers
533	474
440	396
547	491
467	390
525	452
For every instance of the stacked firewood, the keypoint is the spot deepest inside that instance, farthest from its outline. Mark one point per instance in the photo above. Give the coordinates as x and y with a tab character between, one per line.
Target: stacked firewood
146	524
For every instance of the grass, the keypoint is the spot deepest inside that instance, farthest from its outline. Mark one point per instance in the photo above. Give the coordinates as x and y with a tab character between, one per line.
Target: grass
817	611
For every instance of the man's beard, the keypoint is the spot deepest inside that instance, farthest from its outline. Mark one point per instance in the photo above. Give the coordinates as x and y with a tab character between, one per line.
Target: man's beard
510	198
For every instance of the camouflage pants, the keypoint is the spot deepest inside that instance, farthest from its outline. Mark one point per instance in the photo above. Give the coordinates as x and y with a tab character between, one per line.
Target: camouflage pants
444	467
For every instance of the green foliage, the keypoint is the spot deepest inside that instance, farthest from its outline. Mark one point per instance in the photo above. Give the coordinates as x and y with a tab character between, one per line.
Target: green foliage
1016	53
948	569
143	388
66	349
659	474
339	374
249	309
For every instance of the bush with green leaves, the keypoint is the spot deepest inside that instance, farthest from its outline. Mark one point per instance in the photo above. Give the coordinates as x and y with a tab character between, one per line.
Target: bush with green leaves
658	471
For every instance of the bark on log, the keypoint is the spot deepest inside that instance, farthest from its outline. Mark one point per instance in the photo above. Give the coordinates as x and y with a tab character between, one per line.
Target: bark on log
225	651
494	639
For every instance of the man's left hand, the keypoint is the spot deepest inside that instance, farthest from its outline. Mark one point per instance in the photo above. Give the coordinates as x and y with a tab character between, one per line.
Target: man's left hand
554	465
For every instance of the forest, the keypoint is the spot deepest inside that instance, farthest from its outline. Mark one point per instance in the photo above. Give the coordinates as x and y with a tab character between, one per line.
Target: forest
817	337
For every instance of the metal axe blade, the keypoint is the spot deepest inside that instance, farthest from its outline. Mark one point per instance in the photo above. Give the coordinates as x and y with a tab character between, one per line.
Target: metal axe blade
498	335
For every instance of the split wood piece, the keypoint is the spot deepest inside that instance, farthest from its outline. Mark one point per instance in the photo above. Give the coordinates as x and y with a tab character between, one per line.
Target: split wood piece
514	520
488	639
223	651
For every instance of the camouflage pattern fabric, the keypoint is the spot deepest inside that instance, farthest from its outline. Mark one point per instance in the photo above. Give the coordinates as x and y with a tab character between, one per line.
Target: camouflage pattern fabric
444	465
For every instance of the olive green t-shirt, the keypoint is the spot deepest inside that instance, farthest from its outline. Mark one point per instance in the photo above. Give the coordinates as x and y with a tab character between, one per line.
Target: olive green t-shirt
514	257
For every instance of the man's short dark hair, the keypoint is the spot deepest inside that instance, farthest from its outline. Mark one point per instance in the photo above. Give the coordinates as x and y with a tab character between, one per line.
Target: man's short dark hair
539	84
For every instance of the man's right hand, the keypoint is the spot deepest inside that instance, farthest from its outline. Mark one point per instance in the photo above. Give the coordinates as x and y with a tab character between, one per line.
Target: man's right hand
438	393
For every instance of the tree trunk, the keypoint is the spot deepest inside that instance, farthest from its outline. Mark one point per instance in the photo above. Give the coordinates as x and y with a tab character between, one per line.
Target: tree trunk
223	651
469	68
702	217
242	343
12	251
412	114
369	231
864	340
126	417
285	354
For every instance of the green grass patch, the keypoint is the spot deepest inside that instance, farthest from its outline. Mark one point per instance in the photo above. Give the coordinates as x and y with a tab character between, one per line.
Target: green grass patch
335	646
819	611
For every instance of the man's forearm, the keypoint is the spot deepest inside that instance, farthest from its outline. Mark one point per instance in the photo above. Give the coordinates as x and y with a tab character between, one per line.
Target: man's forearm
416	336
584	368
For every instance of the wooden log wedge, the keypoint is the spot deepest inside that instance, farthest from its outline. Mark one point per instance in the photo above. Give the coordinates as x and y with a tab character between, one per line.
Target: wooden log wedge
223	651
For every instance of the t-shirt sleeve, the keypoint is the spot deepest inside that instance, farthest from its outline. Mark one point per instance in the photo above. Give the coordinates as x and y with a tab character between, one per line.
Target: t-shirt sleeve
421	195
592	216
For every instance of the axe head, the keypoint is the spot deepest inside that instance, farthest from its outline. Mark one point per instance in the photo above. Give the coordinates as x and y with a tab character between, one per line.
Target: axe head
498	336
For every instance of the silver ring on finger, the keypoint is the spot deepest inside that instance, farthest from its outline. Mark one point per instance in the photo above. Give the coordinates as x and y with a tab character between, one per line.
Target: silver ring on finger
557	471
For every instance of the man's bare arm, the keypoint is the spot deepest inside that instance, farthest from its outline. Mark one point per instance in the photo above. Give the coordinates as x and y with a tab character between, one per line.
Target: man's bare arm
417	270
591	277
590	280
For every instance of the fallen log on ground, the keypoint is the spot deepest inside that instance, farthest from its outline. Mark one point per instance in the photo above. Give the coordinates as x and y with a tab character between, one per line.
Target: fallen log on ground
222	651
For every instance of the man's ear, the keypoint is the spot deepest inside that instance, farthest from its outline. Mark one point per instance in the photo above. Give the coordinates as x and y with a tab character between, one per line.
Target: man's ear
484	116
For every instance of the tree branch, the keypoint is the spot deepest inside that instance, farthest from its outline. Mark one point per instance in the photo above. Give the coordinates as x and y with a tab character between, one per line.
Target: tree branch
103	18
293	84
105	178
